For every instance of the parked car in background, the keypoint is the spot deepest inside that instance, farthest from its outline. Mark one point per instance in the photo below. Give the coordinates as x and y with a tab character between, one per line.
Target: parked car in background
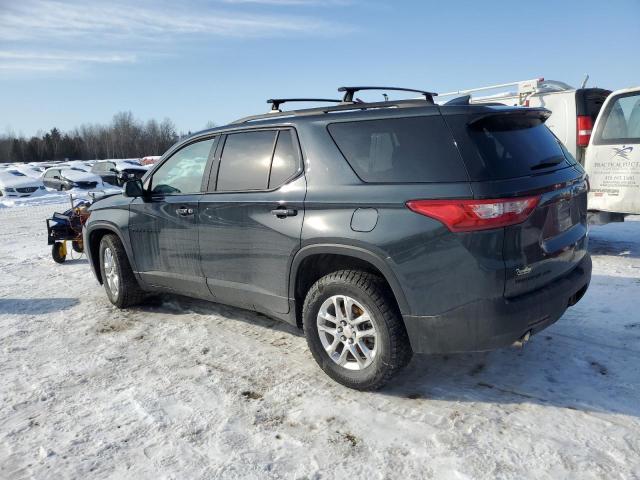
150	160
573	110
116	172
66	178
384	229
15	184
29	170
613	158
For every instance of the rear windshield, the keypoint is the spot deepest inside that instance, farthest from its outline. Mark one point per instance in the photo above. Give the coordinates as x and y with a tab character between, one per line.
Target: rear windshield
400	150
513	146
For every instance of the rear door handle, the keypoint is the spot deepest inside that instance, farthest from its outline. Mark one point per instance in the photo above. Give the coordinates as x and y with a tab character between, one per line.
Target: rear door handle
284	212
184	211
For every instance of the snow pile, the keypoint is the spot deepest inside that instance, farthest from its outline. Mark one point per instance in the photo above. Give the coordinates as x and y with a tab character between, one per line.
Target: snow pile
186	389
53	197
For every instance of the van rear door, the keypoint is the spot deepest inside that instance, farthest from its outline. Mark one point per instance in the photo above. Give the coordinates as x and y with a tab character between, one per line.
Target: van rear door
613	156
589	102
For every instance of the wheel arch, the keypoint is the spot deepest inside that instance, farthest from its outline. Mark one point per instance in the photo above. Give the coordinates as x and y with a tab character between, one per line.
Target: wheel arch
326	258
93	237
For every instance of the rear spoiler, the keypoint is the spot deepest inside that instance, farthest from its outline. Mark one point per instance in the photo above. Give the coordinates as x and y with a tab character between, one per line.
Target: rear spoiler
540	114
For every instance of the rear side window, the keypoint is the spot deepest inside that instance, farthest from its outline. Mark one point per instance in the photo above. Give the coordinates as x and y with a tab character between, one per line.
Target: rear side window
246	161
400	150
621	121
285	159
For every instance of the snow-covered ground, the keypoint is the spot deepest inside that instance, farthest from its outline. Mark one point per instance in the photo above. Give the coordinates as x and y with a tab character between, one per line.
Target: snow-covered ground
187	389
53	197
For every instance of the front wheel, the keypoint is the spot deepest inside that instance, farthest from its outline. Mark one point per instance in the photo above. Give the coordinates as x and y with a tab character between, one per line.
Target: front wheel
59	252
117	276
354	329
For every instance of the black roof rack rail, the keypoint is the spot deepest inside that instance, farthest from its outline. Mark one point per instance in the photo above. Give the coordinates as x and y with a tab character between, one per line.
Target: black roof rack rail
276	102
349	91
342	107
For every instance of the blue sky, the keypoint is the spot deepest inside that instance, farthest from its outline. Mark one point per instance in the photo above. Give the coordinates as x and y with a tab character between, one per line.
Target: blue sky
64	63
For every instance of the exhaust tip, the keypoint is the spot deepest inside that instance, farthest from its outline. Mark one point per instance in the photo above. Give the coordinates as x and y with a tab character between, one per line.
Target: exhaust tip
522	340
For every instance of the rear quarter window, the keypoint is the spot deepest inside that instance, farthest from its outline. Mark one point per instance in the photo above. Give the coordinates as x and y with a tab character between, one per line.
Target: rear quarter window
400	150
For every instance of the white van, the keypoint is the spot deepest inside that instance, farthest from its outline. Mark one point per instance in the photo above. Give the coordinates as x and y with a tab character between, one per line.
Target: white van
573	110
613	157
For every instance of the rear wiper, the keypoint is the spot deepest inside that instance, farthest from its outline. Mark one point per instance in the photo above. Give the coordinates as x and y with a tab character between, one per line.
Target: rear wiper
552	162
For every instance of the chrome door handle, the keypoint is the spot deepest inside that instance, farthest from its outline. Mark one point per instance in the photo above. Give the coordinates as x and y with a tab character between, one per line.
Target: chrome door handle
284	212
184	211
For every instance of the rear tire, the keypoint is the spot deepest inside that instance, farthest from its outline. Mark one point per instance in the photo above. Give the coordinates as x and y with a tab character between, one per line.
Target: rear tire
77	246
349	296
117	276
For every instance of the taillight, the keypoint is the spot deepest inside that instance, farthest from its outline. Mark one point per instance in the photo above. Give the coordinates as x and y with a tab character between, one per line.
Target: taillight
470	215
585	125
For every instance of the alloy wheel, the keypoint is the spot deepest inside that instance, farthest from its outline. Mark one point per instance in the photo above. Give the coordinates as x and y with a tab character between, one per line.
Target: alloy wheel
347	332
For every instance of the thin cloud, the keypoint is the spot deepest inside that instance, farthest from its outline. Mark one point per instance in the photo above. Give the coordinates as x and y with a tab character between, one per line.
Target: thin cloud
68	57
290	3
55	35
32	67
64	20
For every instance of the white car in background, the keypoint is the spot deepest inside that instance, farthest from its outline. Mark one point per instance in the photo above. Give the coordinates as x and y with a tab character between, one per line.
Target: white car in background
29	170
15	184
613	158
66	178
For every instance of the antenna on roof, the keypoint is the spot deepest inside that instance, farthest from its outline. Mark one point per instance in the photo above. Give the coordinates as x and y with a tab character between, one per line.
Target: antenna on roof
349	91
276	102
584	82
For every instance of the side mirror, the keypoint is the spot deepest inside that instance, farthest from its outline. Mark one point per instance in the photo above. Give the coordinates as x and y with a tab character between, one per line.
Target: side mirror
133	189
56	177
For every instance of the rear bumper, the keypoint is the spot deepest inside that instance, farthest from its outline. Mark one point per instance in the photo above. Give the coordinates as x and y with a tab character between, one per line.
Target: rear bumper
495	323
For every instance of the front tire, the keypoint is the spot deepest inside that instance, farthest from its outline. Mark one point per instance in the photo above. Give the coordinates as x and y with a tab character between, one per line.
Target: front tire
354	329
59	252
117	276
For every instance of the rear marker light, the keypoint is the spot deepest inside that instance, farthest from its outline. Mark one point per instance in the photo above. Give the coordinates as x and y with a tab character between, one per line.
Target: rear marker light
470	215
584	127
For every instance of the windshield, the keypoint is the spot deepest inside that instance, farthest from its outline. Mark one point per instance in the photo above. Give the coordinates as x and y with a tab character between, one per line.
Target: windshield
17	173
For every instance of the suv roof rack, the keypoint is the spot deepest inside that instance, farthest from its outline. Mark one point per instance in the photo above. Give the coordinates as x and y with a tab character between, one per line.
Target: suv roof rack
349	91
347	103
276	102
342	107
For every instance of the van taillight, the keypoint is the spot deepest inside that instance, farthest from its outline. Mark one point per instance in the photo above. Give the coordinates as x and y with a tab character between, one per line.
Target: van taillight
469	215
585	125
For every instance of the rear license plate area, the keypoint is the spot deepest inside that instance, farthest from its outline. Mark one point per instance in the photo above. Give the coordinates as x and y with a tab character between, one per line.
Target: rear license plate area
561	216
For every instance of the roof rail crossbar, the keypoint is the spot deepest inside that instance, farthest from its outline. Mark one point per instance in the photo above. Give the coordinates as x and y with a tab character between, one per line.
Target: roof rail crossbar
276	102
342	107
349	91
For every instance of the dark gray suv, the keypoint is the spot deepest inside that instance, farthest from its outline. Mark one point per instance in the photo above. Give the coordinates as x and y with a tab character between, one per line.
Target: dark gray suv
383	229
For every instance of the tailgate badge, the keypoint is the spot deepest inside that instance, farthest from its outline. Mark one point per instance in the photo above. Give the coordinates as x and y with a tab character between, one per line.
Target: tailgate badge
523	271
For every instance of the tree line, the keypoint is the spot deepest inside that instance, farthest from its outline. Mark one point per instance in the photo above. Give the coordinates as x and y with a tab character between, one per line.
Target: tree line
124	137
